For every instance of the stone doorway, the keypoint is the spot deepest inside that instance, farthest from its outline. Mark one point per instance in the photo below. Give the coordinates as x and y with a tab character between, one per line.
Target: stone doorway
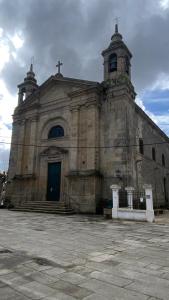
54	181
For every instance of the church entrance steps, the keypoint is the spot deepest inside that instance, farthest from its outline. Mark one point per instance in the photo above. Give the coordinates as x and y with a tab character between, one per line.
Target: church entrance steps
62	212
44	207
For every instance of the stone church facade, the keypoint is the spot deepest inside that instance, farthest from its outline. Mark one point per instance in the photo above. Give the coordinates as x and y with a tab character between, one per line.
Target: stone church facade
74	138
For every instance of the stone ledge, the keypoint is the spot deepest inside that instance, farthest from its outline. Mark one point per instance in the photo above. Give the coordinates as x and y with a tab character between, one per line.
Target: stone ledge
84	173
24	176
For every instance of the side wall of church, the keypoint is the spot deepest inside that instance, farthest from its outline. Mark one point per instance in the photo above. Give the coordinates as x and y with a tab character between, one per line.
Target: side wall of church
149	169
122	125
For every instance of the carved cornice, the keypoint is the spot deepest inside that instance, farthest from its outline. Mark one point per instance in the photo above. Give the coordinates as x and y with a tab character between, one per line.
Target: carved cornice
122	79
84	173
18	121
27	106
118	86
54	151
24	176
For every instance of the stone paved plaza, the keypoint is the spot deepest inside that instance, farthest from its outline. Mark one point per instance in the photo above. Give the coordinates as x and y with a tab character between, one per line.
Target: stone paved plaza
53	257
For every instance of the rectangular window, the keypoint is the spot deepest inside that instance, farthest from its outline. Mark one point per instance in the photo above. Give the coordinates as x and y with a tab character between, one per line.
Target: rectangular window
163	160
141	146
153	154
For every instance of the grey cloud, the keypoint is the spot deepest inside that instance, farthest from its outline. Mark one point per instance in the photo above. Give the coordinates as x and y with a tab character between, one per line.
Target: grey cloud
151	51
13	74
76	32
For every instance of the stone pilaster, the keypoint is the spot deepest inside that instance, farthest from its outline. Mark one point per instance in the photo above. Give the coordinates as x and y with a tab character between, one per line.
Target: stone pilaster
92	138
21	140
74	139
32	148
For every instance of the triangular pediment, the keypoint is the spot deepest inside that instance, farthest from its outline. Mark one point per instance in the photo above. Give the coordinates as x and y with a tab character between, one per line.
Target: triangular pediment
58	89
55	88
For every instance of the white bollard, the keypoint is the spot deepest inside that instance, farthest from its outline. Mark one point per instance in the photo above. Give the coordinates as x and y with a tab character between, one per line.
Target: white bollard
115	198
149	202
130	191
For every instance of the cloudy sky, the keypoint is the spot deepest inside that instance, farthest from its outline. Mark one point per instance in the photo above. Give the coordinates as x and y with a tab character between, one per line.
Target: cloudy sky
76	32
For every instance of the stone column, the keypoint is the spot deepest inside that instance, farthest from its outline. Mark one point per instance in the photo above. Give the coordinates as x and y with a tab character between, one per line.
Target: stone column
20	97
115	198
130	191
149	202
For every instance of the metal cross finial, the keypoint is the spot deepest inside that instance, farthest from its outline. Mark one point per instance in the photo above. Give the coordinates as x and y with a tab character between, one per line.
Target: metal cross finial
116	24
32	62
117	20
58	66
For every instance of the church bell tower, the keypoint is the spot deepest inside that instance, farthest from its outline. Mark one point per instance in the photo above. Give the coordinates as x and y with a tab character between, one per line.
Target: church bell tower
117	58
28	86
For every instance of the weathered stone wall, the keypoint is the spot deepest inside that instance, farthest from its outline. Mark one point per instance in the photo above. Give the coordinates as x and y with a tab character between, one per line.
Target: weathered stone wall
83	180
122	124
150	171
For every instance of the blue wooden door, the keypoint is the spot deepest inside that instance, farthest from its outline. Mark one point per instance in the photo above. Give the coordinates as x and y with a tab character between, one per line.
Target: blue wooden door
54	180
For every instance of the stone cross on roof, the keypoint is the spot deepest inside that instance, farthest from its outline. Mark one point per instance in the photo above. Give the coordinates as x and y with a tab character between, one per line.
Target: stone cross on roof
58	66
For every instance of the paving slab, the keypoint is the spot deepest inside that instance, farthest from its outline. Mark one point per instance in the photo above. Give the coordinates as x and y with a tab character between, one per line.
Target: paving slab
71	289
35	290
52	257
110	290
72	277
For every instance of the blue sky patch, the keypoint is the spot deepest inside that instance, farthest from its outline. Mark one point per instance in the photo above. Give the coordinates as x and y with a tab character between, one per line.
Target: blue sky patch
156	101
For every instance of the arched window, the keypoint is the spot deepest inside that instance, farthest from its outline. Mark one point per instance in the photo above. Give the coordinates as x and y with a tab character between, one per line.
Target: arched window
113	62
163	160
56	132
127	65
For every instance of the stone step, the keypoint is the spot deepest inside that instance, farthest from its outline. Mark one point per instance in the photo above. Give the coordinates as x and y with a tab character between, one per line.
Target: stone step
54	207
43	205
41	210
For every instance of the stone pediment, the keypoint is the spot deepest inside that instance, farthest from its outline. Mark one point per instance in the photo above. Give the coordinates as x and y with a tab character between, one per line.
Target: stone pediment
65	82
54	88
54	151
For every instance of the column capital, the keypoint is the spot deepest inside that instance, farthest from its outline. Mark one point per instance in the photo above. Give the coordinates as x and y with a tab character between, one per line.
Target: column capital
147	186
129	189
115	187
